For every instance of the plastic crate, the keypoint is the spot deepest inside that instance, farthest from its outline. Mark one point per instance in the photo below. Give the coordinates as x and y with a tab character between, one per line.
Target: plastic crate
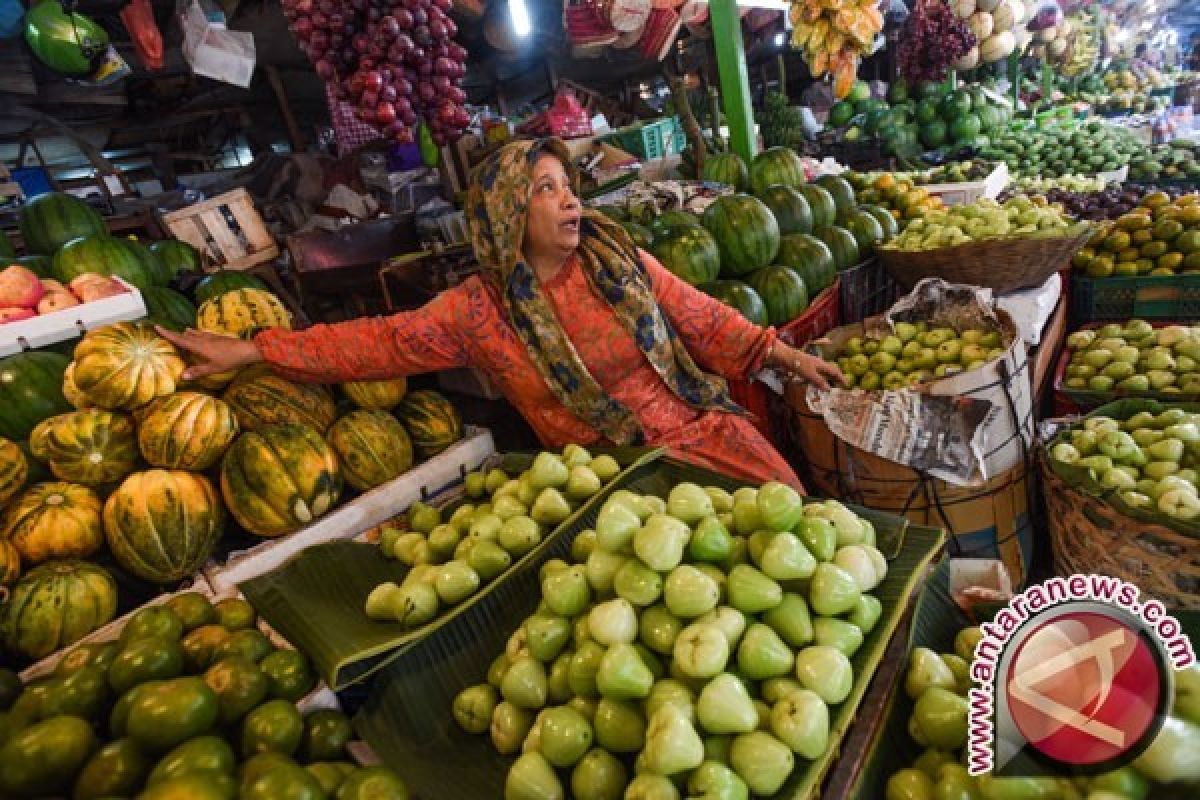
1117	299
652	140
867	289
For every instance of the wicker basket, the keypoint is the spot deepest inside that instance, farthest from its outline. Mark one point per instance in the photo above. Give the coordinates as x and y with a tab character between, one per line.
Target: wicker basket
1003	265
1090	537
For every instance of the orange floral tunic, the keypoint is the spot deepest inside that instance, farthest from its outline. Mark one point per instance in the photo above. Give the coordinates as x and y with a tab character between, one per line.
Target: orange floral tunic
467	327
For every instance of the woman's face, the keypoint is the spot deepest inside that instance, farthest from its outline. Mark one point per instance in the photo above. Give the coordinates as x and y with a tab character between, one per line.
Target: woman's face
552	222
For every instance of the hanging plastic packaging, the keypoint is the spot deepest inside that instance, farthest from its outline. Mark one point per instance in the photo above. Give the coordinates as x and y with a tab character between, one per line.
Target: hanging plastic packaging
70	44
12	14
213	50
138	17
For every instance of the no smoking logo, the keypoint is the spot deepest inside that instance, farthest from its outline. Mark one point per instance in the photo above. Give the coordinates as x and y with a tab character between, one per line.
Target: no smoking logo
1085	689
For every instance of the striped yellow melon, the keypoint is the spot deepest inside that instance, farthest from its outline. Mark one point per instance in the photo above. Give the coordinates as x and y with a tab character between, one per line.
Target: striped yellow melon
71	392
56	605
280	478
126	365
372	448
92	447
10	563
161	525
259	398
376	395
14	471
186	430
431	420
54	520
242	312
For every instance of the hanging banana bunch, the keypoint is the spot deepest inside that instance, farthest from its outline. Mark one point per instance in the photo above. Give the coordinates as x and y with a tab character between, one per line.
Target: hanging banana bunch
834	35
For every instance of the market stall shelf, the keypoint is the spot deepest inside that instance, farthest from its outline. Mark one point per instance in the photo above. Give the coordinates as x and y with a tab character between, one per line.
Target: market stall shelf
406	718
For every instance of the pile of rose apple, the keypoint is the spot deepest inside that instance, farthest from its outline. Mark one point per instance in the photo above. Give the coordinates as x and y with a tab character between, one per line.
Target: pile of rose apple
452	558
1150	460
1135	357
696	644
23	295
915	353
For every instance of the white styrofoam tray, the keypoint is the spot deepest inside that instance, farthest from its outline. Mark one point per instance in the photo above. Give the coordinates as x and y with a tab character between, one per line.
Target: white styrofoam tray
360	514
69	323
958	194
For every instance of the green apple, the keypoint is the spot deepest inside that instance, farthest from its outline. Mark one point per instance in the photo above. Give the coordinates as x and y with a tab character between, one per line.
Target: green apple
1126	354
725	706
613	622
1097	359
941	716
911	350
658	628
949	352
838	634
730	621
620	725
752	592
883	362
891	344
710	542
1118	370
689	592
567	592
565	736
660	542
637	583
786	558
894	381
602	568
715	781
672	744
474	707
762	654
762	761
937	336
598	776
870	382
826	671
801	721
926	359
947	370
926	668
701	650
832	590
532	777
858	365
853	345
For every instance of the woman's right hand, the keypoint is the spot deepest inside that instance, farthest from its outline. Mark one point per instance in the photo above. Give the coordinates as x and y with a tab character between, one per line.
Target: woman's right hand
211	353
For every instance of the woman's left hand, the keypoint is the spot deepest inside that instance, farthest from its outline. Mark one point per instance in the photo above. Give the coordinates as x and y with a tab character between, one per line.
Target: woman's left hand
796	364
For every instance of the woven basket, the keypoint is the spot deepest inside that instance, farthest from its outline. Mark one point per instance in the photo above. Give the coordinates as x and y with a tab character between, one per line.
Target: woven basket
1090	537
1003	265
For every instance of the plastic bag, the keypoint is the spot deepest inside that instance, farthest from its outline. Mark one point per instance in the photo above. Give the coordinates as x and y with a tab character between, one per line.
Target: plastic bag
214	51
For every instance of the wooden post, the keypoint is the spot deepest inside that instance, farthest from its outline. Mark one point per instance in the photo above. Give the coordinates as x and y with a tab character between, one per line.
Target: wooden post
294	136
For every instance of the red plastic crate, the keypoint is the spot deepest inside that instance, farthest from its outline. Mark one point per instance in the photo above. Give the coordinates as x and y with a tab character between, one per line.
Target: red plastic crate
821	316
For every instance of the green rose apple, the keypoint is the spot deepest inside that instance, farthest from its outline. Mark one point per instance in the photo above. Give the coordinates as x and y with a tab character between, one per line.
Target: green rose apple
780	507
601	569
762	761
785	558
722	500
730	621
550	508
637	583
832	590
671	692
613	622
689	503
909	784
598	776
510	725
725	706
649	786
584	666
488	559
752	592
838	634
622	675
658	628
819	536
661	541
715	781
567	592
605	467
763	654
455	582
701	650
689	592
710	542
524	683
565	736
620	726
866	613
546	635
474	708
941	716
826	671
672	744
532	778
801	721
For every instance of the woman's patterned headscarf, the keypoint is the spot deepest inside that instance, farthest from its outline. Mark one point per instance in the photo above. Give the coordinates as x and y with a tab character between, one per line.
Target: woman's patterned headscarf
497	205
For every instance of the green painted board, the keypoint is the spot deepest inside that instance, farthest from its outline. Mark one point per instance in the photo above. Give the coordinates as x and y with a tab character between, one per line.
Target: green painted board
407	716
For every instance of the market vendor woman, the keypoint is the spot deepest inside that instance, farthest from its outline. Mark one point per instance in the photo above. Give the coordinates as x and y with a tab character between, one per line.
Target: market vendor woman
591	339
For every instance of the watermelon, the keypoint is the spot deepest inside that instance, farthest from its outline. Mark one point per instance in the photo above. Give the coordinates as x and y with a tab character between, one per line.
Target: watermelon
51	220
224	281
841	244
639	233
690	253
933	133
810	258
824	210
782	291
176	256
776	166
30	391
670	221
7	251
159	274
927	112
956	104
42	266
791	210
746	233
866	229
105	255
740	296
965	128
840	113
727	168
841	191
885	219
169	308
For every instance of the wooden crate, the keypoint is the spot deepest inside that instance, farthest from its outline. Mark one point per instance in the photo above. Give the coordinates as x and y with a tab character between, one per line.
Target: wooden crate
227	229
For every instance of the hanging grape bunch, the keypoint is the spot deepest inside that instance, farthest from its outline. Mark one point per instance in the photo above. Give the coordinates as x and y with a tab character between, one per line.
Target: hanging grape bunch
933	39
395	61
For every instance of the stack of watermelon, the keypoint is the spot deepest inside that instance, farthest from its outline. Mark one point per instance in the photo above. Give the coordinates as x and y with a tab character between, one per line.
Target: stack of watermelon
769	253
